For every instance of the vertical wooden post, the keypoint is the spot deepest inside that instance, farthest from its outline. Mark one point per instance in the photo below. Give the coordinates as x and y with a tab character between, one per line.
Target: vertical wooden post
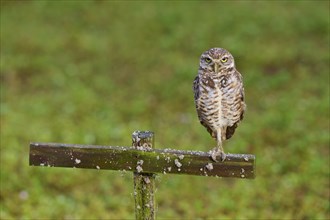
144	183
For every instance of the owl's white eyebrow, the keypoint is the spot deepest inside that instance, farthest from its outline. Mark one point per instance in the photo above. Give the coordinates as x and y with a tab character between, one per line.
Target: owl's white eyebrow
207	57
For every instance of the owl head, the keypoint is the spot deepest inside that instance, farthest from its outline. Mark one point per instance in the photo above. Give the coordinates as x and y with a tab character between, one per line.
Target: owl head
216	60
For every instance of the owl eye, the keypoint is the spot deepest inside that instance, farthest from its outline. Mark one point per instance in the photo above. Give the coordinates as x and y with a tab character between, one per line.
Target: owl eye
208	60
224	59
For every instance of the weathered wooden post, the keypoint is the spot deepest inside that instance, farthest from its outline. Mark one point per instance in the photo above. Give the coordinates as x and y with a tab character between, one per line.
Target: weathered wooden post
144	161
144	183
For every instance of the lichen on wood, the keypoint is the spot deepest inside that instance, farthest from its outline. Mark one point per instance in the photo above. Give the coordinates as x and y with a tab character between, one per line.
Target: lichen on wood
154	160
144	183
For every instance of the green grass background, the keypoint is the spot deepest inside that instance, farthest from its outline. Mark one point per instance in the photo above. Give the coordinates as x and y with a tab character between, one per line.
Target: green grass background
92	72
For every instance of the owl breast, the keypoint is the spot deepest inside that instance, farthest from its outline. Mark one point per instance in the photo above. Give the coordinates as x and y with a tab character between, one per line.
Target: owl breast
220	103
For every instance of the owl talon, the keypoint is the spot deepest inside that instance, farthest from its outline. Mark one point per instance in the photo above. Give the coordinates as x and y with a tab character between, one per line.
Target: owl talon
217	153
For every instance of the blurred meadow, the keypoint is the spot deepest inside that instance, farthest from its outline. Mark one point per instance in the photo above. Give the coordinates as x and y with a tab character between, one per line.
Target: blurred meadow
92	72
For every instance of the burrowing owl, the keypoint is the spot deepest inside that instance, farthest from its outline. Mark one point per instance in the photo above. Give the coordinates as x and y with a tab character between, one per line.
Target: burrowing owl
219	96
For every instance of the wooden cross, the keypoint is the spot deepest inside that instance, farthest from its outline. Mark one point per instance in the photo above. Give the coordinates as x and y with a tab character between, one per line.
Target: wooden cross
144	161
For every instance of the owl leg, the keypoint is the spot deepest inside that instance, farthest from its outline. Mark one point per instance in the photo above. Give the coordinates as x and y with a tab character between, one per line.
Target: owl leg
218	150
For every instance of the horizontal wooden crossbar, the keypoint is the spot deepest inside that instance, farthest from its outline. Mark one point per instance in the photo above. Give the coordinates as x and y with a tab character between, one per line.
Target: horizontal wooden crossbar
144	160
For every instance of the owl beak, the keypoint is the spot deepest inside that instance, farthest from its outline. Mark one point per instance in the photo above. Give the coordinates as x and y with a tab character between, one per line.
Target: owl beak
216	68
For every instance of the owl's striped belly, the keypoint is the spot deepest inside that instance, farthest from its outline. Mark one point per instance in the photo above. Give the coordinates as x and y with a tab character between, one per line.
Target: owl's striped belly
210	106
220	105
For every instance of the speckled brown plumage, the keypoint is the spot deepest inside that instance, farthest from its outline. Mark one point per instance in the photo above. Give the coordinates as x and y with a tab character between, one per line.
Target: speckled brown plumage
219	96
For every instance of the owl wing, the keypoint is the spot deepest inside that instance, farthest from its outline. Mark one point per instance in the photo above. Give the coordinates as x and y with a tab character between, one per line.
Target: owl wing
241	109
196	88
197	96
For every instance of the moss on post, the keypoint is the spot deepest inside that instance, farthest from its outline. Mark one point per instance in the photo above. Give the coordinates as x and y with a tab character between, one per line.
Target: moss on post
144	183
164	161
